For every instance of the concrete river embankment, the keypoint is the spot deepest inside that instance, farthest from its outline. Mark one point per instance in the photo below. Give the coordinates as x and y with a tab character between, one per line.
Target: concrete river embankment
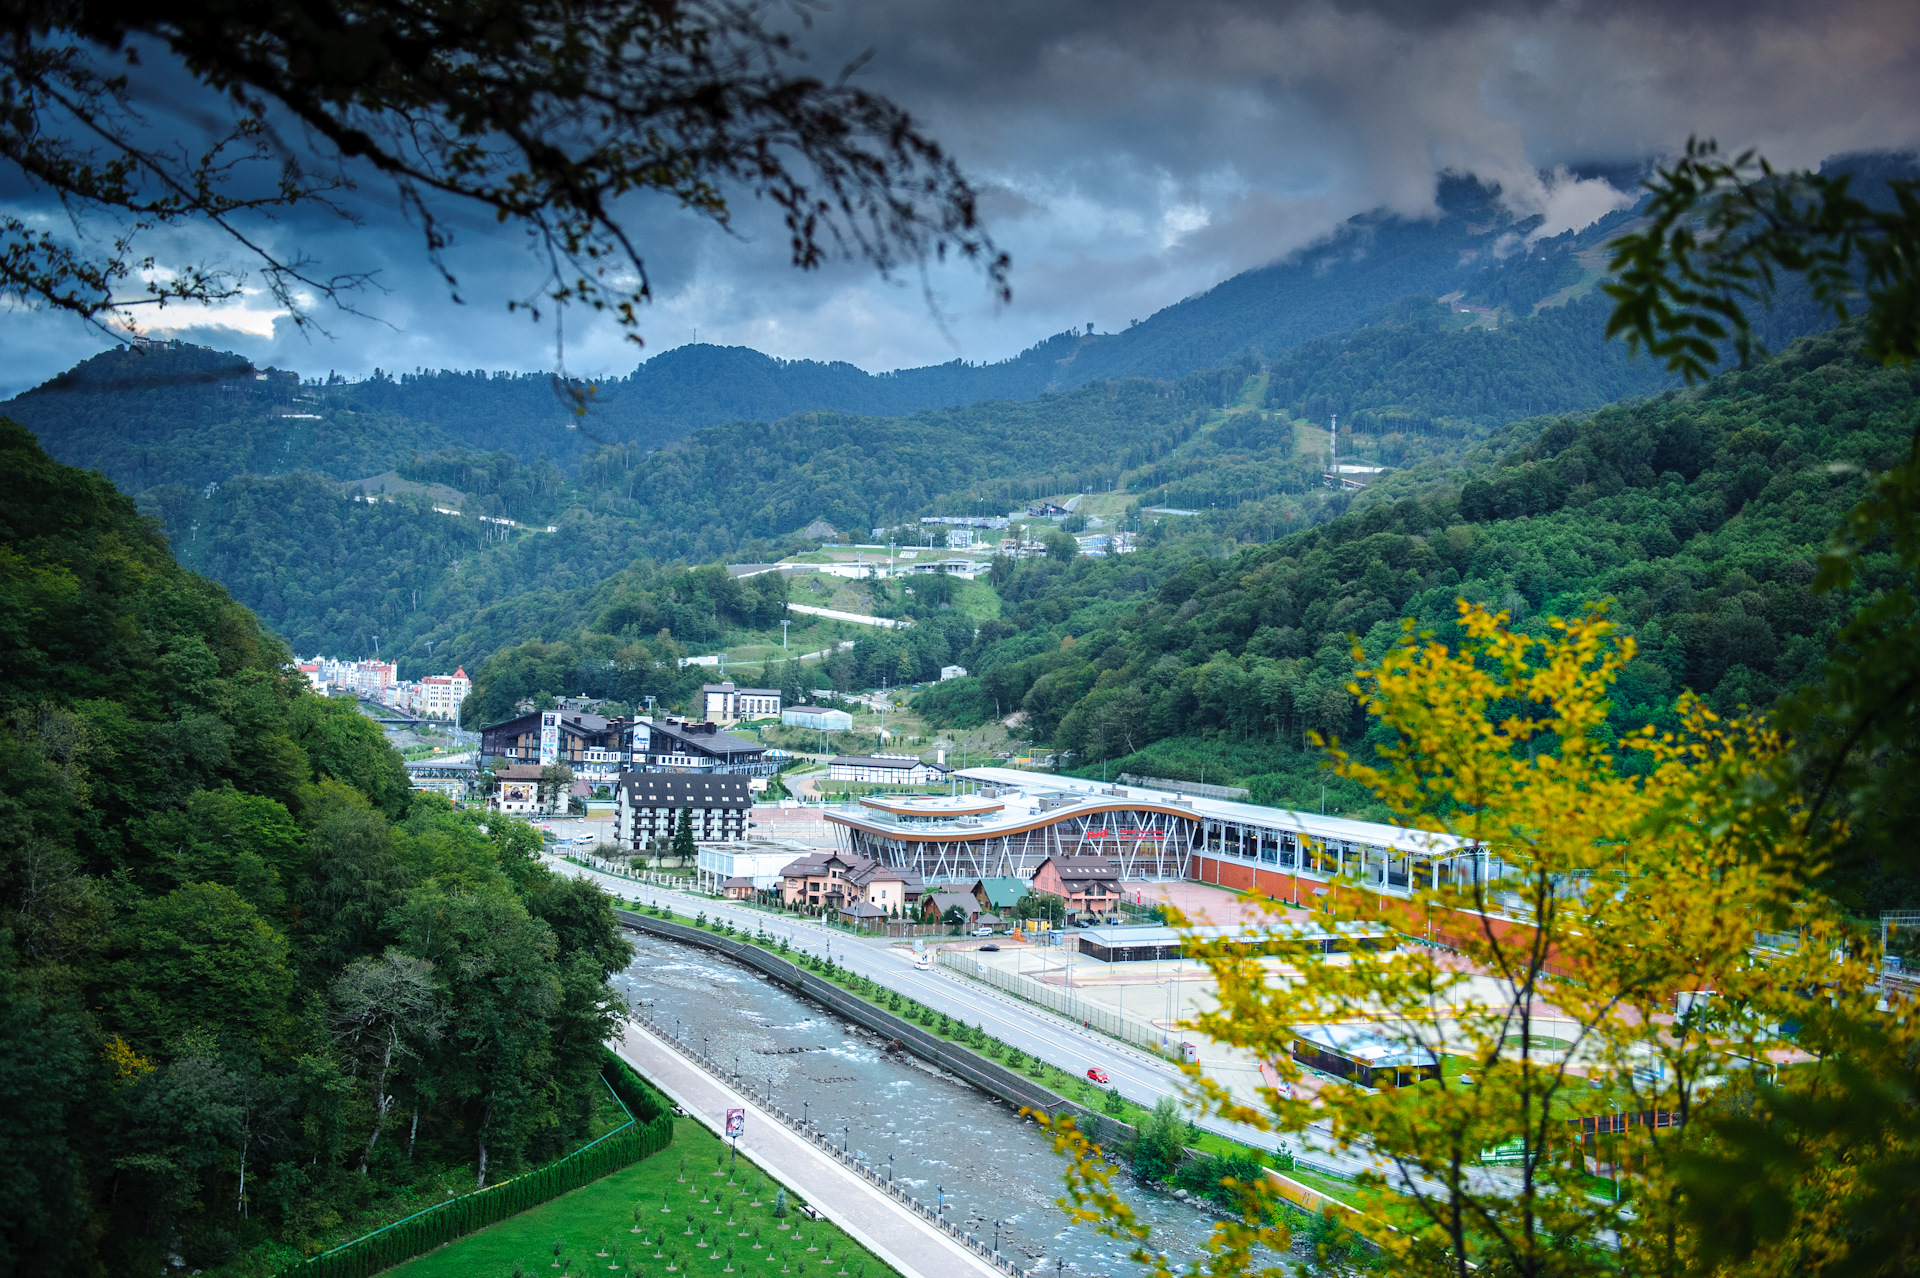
946	1138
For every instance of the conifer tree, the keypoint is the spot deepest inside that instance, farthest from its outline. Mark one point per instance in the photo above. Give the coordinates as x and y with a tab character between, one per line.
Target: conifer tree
683	837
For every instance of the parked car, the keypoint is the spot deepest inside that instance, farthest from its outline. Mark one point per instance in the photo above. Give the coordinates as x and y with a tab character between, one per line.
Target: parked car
1098	1076
583	838
983	931
989	949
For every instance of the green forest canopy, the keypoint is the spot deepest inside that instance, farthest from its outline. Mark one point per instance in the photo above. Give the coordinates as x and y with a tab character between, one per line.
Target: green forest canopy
223	901
1699	515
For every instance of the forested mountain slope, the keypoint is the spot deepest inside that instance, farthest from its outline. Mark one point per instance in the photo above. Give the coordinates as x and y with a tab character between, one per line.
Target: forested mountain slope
329	572
245	467
223	900
1699	515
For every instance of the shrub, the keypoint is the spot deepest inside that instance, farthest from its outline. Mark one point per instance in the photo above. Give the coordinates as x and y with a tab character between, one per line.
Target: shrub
1156	1151
1334	1245
780	1205
1196	1175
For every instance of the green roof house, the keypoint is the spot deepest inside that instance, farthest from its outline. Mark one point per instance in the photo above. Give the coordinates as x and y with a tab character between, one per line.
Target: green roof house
999	894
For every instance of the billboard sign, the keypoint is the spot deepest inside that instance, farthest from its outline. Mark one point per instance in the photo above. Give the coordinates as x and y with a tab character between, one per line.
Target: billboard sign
736	1123
549	737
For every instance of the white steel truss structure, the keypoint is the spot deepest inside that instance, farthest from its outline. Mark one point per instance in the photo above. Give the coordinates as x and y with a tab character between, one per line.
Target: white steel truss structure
1142	842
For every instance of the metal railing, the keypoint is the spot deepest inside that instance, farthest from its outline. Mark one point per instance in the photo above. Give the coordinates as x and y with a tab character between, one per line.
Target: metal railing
934	1216
1059	999
1336	1168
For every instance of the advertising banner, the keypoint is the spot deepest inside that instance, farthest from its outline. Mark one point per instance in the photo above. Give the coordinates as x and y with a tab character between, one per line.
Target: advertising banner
549	737
736	1123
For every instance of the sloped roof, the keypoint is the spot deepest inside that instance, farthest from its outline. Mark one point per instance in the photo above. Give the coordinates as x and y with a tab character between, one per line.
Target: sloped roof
1001	893
685	790
870	871
816	863
1074	869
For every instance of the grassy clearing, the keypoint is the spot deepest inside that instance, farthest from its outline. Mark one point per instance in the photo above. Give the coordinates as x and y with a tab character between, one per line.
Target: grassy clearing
976	600
689	1218
1338	1190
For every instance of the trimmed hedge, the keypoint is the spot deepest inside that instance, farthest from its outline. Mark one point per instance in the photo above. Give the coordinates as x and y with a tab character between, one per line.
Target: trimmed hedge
649	1131
643	1103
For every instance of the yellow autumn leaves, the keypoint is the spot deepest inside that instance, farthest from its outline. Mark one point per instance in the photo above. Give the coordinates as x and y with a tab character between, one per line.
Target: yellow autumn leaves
1634	943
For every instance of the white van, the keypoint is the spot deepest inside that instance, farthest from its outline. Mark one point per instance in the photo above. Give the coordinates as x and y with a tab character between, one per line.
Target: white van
923	961
583	838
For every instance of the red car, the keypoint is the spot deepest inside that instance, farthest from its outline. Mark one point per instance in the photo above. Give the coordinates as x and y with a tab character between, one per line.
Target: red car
1098	1076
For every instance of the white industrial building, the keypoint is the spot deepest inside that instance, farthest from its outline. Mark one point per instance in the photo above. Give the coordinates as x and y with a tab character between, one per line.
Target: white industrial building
885	769
818	717
758	859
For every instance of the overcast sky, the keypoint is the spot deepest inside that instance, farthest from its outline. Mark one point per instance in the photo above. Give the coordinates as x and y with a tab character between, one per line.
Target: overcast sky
1131	154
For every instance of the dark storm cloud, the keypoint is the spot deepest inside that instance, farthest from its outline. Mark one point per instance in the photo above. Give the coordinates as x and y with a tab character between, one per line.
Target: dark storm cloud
1131	154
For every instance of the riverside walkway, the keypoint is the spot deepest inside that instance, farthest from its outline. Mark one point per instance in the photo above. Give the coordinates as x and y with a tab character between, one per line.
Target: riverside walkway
888	1227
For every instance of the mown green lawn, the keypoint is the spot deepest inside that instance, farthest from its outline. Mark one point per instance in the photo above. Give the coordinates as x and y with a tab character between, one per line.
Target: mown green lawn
711	1224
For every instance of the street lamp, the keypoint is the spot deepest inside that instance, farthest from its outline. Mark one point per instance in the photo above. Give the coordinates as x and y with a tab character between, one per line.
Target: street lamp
846	1140
940	1211
996	1238
889	1171
804	1120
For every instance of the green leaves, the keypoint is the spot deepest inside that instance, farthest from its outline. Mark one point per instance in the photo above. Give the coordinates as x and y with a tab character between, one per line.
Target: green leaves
1721	233
199	960
199	864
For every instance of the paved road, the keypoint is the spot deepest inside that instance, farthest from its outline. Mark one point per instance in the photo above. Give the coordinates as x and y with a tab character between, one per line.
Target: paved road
885	1227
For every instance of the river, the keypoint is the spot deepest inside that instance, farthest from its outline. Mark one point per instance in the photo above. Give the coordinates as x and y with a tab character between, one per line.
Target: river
942	1135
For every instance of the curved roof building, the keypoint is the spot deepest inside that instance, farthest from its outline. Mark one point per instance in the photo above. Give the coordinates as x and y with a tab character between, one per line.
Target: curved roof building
1012	821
